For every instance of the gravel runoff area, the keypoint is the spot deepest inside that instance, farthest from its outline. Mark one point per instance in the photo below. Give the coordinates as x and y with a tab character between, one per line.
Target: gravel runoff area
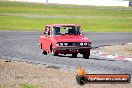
123	49
14	73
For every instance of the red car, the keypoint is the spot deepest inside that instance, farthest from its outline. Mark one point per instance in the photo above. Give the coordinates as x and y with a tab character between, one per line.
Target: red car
64	39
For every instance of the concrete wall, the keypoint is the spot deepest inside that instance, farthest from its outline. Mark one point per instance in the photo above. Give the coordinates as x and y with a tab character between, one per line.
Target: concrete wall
85	2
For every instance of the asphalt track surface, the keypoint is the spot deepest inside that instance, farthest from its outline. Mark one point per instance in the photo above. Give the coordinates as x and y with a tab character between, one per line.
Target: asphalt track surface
23	46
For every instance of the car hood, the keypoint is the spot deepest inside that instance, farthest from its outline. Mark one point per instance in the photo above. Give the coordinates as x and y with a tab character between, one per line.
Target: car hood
71	38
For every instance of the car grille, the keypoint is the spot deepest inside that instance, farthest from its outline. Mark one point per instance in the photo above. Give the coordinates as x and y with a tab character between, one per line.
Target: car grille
73	43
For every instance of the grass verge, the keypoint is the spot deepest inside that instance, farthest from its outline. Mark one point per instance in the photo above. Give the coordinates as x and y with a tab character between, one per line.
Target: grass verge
31	16
27	86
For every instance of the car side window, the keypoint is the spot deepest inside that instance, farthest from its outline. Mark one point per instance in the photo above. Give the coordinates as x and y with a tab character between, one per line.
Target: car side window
57	30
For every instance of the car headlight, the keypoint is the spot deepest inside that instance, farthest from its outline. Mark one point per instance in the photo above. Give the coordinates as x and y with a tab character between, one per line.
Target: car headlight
65	44
85	44
81	44
61	44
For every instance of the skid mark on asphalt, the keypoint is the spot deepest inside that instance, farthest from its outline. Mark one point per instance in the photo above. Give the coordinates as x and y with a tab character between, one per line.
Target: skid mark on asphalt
110	56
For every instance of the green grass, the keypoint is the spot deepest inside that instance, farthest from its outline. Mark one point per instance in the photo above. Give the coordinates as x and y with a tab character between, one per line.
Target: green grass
27	86
30	16
2	86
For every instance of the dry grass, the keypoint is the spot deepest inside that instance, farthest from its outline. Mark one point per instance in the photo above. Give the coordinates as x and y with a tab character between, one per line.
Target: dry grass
31	16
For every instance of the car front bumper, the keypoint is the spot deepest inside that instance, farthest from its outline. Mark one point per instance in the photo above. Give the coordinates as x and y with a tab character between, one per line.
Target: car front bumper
72	49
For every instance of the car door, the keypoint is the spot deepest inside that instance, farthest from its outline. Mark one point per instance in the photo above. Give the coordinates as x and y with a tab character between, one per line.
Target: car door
48	41
44	39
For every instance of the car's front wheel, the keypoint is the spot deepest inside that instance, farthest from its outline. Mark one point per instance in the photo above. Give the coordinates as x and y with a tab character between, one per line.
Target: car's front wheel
53	52
86	55
74	55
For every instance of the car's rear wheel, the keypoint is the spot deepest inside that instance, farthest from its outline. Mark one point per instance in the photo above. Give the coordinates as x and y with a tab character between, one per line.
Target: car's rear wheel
53	52
74	55
44	52
86	55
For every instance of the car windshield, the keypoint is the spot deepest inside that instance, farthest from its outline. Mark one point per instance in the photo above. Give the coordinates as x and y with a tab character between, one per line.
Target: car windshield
67	30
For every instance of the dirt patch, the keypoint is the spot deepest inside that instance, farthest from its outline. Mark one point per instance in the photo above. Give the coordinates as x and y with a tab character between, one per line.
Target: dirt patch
123	50
13	74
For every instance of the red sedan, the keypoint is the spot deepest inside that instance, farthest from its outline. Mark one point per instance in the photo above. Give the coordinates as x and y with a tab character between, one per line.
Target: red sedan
64	39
